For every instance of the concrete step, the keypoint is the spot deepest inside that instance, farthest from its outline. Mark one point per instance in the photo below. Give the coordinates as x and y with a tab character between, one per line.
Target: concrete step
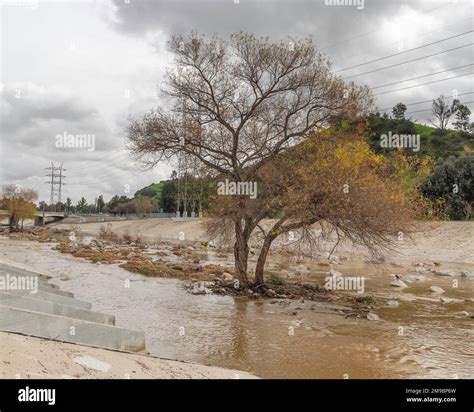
24	302
4	268
41	282
42	288
59	328
52	297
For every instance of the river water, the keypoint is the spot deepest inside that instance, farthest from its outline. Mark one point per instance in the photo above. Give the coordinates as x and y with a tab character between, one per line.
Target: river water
422	337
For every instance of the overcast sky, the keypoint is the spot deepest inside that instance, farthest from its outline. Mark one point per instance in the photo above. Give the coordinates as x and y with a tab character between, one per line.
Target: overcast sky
85	67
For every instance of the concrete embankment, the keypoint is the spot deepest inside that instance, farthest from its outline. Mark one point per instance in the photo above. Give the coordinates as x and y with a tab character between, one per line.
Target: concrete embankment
46	332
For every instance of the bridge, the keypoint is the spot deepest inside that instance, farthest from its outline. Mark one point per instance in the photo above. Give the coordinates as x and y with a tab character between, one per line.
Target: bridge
41	218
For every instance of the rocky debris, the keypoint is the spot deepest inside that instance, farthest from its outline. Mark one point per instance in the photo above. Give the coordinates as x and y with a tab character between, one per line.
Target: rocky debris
372	316
444	272
398	283
421	270
467	273
96	243
393	303
270	293
415	278
201	288
418	264
436	289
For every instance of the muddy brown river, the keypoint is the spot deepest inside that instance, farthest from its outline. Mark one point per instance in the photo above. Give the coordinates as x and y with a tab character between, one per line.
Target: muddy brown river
422	337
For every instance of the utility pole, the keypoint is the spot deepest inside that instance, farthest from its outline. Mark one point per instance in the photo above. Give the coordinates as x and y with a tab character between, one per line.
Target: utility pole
56	175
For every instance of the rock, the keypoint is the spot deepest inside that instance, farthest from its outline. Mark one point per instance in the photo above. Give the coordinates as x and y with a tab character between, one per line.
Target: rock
96	243
372	316
131	255
436	289
421	270
463	313
393	303
335	273
270	293
444	273
444	299
201	288
467	273
437	263
227	277
398	283
133	244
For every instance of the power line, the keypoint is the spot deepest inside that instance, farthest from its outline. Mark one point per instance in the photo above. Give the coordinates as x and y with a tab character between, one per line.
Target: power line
423	84
113	152
426	110
443	27
420	77
403	52
428	101
381	27
408	61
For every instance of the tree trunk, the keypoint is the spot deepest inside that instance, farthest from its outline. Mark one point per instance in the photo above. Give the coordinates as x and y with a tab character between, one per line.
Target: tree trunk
262	258
241	253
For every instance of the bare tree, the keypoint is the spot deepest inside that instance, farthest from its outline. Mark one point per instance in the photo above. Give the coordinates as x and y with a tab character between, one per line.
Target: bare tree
243	101
442	112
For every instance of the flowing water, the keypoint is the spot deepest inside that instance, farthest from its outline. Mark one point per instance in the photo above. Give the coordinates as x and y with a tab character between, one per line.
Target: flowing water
422	337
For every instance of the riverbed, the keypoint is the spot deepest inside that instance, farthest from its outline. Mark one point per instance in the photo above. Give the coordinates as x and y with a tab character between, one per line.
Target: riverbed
280	338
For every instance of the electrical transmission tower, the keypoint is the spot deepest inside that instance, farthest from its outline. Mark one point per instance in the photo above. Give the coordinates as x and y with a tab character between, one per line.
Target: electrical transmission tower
189	181
56	182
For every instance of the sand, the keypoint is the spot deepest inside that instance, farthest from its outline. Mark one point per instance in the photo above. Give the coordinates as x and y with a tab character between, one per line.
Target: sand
36	358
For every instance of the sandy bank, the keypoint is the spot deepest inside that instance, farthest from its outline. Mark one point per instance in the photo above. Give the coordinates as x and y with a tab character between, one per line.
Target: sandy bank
450	241
31	357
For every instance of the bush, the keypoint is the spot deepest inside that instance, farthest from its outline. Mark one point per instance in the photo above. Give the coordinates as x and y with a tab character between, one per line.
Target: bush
274	279
106	233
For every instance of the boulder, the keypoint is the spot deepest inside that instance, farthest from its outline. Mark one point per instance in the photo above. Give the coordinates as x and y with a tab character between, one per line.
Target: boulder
270	293
436	289
444	272
372	316
463	313
467	273
398	283
393	303
227	277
